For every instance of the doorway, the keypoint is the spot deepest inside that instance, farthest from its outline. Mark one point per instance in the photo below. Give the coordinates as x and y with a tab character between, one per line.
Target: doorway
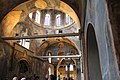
94	70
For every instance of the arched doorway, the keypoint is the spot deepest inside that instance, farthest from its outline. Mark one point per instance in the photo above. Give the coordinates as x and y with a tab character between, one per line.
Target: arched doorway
23	66
94	71
67	68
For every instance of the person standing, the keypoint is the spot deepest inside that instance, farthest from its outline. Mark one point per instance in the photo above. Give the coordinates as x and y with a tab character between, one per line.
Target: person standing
58	77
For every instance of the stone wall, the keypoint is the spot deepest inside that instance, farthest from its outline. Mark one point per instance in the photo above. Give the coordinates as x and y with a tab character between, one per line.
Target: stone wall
97	15
10	57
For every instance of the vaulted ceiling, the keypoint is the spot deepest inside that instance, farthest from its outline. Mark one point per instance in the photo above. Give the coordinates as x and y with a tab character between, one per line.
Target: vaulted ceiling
20	9
7	5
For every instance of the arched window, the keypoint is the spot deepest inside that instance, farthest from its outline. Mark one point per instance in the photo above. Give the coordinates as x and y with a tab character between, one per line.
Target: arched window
25	42
23	66
58	20
47	20
30	15
37	17
49	59
66	68
71	67
49	70
68	19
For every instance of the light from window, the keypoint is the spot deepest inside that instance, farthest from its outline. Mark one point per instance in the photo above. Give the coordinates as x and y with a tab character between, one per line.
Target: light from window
71	67
58	20
67	19
66	68
49	59
49	70
47	20
25	42
37	17
30	15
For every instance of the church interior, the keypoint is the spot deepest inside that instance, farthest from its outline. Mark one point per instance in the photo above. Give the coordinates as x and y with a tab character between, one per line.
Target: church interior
64	39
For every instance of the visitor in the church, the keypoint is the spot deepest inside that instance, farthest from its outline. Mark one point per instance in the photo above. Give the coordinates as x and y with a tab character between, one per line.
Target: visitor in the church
23	78
58	77
36	78
15	77
52	77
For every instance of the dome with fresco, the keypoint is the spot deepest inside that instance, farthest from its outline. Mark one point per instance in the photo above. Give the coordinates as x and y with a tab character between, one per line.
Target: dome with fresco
51	19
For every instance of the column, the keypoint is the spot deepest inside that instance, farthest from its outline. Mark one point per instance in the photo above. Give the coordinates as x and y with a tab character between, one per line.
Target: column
53	18
34	16
63	19
55	70
68	72
78	69
42	18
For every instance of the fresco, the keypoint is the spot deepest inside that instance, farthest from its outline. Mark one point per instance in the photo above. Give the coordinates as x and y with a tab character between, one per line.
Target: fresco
65	49
8	5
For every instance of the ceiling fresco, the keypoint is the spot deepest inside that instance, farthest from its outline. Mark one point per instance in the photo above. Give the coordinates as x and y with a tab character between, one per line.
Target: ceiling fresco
26	8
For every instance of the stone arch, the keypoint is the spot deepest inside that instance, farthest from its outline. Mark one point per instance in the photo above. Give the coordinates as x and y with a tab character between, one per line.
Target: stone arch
60	61
93	61
23	66
56	45
49	42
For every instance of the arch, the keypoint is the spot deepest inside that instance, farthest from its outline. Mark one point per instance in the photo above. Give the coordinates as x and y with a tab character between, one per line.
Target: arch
61	50
21	11
94	70
49	42
73	61
47	20
62	60
23	66
37	18
58	19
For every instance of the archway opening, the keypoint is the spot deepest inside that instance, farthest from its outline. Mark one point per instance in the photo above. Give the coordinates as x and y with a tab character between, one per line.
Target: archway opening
23	66
67	69
93	55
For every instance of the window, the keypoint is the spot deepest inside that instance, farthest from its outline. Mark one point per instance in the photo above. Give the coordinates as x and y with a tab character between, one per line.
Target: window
49	59
47	20
66	68
37	17
71	67
30	15
67	19
58	20
23	67
25	42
